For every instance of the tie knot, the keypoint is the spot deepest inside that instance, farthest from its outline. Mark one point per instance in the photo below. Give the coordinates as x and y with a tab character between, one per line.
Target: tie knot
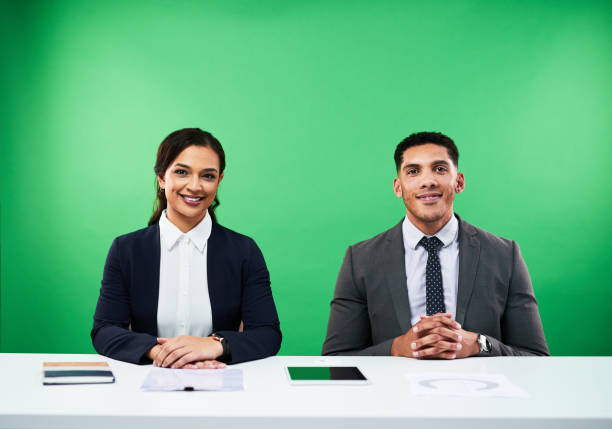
432	244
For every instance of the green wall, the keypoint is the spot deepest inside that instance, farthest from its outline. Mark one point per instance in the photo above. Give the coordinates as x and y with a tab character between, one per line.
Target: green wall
309	100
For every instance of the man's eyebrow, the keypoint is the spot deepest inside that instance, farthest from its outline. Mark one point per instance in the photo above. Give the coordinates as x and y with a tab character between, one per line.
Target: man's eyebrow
410	166
440	161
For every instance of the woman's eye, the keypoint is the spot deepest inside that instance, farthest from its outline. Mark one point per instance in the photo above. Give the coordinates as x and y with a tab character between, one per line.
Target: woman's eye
209	176
180	172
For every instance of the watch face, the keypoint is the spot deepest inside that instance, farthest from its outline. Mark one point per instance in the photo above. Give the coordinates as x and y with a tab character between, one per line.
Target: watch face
483	343
485	346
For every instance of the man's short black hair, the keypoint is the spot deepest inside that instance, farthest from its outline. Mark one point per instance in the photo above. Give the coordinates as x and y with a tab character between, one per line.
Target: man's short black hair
425	137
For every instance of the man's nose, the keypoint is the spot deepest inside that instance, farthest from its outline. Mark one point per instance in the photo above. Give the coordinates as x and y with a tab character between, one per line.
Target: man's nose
429	180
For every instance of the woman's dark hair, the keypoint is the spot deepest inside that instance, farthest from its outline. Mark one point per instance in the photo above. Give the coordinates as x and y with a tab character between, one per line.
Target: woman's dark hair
167	152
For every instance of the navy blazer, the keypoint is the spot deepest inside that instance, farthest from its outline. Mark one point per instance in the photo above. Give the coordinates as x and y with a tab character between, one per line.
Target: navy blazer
125	321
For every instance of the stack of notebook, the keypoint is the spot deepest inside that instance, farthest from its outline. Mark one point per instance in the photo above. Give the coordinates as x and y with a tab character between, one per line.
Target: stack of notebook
77	373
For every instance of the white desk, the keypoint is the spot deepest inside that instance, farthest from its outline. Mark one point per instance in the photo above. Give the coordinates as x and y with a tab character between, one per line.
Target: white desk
564	392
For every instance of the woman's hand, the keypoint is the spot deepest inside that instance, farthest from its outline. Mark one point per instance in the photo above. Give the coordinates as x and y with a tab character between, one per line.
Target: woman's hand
179	351
207	364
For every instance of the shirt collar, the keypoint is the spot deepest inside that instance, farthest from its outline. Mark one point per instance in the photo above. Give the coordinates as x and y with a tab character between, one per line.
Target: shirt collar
412	234
198	234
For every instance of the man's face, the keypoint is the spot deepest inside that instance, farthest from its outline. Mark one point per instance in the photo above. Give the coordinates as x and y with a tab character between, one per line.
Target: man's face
427	182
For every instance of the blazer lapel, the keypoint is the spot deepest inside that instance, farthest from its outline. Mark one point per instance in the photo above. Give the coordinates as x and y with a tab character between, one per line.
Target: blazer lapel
396	278
469	255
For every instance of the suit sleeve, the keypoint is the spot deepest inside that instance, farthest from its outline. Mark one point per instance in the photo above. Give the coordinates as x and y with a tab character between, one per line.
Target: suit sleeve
348	329
261	336
522	332
111	335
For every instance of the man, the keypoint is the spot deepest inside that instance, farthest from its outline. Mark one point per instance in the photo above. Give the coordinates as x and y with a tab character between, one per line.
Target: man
433	286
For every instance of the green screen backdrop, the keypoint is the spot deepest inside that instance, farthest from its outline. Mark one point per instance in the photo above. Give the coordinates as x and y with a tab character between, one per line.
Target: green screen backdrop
309	100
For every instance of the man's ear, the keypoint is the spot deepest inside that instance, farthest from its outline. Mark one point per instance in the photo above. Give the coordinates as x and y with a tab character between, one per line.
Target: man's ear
397	187
460	185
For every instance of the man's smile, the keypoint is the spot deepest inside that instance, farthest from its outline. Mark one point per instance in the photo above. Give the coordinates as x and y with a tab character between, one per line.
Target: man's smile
429	197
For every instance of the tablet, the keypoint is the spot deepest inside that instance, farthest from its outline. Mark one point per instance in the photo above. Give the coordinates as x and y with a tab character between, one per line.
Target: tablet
325	375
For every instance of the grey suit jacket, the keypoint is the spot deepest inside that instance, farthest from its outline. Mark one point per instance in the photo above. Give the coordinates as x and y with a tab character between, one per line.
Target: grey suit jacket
495	297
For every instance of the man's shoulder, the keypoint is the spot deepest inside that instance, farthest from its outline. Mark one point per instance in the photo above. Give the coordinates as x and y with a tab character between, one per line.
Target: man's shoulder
486	239
380	240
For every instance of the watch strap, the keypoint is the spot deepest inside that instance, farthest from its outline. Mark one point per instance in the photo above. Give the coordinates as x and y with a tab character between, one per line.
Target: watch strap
226	354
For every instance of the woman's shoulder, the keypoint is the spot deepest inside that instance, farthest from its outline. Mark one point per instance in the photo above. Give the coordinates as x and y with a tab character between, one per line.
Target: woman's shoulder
222	234
141	236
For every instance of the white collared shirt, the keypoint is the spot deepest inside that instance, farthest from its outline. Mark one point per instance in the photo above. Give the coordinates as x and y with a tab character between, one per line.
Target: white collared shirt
416	260
184	305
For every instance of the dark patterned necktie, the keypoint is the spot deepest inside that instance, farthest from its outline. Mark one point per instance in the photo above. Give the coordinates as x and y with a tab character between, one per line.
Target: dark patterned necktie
433	276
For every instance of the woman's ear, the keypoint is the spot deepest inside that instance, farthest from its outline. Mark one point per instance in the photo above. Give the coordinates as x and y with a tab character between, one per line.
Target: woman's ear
161	181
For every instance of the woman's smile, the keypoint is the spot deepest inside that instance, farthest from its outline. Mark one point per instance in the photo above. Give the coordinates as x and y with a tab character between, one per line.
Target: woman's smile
192	200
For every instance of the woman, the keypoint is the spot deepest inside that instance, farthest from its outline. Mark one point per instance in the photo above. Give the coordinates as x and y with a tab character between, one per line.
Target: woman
175	293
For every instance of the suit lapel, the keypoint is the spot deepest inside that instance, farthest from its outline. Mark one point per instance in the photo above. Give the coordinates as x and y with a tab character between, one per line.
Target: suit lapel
396	278
469	255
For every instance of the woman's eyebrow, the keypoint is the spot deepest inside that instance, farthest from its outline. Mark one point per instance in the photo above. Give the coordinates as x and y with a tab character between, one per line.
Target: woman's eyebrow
178	164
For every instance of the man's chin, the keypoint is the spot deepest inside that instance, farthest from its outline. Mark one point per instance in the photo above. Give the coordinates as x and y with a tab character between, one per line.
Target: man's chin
431	217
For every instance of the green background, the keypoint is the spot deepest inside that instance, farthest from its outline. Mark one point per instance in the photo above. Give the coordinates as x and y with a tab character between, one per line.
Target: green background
309	100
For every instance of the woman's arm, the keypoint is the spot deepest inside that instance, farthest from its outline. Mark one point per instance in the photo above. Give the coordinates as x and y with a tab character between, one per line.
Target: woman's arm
110	334
262	335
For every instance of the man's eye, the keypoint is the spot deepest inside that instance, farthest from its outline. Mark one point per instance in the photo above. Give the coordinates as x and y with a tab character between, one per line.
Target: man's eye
412	171
440	169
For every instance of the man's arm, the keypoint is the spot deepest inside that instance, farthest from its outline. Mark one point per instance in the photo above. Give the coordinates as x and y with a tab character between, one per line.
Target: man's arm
521	327
522	332
348	329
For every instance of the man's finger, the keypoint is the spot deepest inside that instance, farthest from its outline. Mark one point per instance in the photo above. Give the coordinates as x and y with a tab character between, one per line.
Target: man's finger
427	352
442	355
435	340
428	324
447	333
447	315
423	328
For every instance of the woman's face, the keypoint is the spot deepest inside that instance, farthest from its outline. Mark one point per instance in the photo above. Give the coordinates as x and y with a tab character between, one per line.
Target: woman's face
191	182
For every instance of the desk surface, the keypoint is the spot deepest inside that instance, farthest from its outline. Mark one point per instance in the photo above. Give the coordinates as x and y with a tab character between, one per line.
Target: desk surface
564	392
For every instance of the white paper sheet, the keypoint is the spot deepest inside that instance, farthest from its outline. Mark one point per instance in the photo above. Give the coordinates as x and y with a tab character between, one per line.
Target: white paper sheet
463	385
166	379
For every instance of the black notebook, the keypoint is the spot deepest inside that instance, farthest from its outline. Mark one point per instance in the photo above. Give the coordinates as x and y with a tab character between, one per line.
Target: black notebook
77	373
